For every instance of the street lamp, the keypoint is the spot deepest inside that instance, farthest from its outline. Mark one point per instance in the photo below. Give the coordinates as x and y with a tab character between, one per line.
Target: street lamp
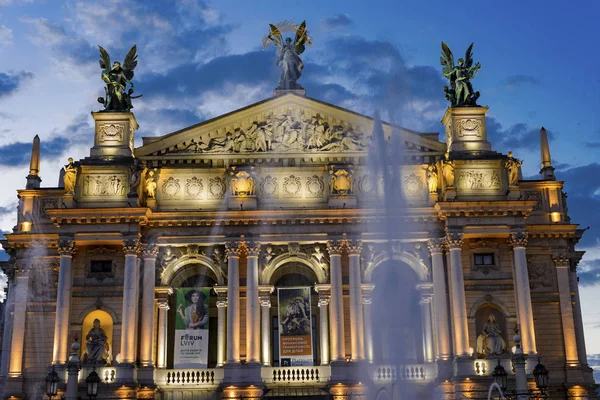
52	383
540	373
92	381
500	376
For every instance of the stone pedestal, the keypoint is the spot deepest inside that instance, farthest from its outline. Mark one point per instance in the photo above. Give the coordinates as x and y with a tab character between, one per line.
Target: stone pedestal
133	200
463	366
514	193
151	204
450	193
242	203
465	129
68	200
114	133
281	92
347	201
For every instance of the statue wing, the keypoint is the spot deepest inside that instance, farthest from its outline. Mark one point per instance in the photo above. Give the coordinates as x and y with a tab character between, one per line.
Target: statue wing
275	35
130	62
301	38
104	59
447	59
469	56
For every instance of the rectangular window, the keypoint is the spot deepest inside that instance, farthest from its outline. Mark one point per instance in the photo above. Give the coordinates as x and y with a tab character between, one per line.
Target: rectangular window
101	266
484	259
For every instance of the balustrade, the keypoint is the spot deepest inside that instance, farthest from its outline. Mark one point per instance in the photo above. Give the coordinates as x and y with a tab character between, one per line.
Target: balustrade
296	375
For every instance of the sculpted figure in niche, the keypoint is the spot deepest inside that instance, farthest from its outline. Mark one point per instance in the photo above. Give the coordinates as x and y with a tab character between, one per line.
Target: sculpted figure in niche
70	177
136	176
96	344
448	170
432	179
490	341
512	166
150	185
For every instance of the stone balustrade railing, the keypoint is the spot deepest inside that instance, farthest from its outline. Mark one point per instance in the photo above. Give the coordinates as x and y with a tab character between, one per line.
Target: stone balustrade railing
296	375
106	374
408	372
189	377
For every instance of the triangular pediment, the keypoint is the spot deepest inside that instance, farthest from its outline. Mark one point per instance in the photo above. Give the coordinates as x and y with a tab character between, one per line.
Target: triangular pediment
287	126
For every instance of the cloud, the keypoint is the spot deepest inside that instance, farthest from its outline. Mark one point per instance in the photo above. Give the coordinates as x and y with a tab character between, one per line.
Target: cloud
592	145
340	21
520	80
11	82
6	36
19	153
4	3
519	137
589	273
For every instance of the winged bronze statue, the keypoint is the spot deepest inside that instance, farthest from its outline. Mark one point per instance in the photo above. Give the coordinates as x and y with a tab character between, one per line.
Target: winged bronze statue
460	93
117	97
288	52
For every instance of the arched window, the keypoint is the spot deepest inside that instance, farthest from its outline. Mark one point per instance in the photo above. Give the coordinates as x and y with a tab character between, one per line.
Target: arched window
194	275
397	325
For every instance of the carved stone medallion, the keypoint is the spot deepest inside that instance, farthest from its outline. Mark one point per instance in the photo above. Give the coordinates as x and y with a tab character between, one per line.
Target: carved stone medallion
193	188
111	133
268	187
292	186
413	186
170	188
314	186
216	188
469	127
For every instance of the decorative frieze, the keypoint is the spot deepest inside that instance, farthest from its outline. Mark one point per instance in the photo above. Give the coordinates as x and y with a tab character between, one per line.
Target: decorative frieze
111	133
216	188
269	187
193	188
170	188
478	179
292	186
314	186
105	185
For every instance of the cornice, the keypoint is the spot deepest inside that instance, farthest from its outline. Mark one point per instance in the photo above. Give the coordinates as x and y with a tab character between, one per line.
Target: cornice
494	208
108	215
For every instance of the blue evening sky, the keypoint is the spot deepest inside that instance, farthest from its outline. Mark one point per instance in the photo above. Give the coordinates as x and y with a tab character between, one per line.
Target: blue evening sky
199	59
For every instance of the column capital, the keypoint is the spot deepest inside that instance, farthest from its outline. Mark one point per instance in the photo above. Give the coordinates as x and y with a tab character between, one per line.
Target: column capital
221	292
131	247
561	260
367	293
163	304
518	239
221	303
66	247
234	248
454	240
252	248
162	293
264	292
436	245
324	290
354	247
335	247
149	250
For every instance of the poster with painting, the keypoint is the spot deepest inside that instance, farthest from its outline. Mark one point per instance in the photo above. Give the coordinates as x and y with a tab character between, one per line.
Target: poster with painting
295	327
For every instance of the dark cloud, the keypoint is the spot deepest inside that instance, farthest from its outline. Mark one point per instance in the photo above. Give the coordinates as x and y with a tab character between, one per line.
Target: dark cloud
520	80
339	21
589	272
517	138
19	153
592	145
10	82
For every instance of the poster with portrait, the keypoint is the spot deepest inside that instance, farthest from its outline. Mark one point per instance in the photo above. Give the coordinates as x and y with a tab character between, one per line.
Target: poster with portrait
191	328
295	327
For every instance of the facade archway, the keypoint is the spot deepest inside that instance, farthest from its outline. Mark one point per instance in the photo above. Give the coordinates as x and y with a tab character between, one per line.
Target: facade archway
183	267
319	270
415	263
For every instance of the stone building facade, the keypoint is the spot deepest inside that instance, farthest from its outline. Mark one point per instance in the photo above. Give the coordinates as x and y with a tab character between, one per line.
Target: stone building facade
281	194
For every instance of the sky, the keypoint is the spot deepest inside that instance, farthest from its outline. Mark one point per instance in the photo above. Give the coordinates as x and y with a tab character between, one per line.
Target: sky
199	59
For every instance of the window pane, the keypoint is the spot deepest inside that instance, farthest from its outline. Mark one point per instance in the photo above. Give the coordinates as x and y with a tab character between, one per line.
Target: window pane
101	266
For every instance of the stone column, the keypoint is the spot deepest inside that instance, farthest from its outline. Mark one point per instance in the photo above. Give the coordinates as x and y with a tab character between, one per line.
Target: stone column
233	250
518	240
8	324
440	300
221	292
562	264
147	328
459	304
357	340
336	312
367	290
425	302
162	301
324	292
66	250
130	284
265	305
252	303
581	350
21	286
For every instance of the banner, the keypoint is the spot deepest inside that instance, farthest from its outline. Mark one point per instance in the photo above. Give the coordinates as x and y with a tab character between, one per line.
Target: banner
191	328
295	327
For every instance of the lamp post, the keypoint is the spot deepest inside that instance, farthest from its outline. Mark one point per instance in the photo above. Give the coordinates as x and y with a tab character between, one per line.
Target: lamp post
92	382
52	381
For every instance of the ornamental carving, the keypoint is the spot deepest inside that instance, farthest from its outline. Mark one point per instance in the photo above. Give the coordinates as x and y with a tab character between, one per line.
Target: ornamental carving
335	247
149	250
436	245
483	244
364	185
48	204
170	188
454	240
314	186
518	239
478	180
66	248
252	248
131	246
193	188
234	249
413	186
432	178
105	185
286	130
341	181
469	127
292	186
541	274
269	187
111	133
241	183
216	188
354	247
533	195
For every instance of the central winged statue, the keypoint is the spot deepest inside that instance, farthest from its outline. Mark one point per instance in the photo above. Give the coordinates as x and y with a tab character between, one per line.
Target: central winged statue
460	93
288	52
117	97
